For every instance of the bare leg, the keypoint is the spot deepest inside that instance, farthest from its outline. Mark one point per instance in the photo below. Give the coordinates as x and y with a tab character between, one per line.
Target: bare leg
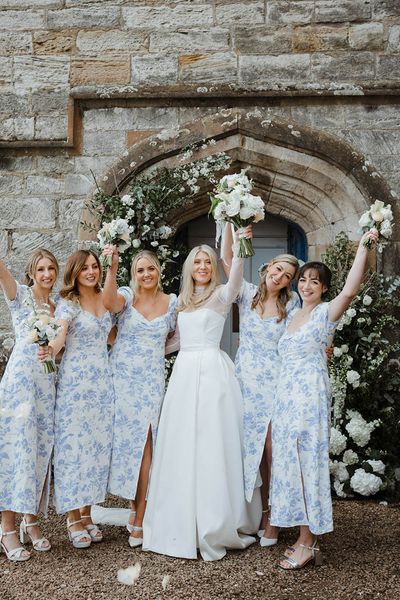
142	486
302	549
270	532
75	515
10	542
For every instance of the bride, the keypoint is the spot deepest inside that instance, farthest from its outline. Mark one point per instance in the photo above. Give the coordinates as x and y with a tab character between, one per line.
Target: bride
196	495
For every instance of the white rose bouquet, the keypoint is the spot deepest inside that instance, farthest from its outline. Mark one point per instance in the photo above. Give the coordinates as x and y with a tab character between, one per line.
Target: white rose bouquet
378	218
233	203
42	328
116	233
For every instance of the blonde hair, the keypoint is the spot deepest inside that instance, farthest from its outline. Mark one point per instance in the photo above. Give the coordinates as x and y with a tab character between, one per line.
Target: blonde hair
284	294
153	259
31	266
188	300
73	267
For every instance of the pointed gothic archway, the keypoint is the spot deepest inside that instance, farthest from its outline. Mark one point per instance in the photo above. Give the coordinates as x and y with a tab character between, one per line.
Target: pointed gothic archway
308	177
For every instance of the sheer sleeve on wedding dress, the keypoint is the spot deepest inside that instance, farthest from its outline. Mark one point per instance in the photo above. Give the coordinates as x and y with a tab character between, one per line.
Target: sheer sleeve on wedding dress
221	300
173	343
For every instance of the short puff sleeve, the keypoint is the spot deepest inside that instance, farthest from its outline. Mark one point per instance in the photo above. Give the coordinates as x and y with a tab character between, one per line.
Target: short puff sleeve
66	310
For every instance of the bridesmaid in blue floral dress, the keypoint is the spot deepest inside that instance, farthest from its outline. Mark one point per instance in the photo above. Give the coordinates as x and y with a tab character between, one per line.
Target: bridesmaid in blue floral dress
145	318
263	312
27	398
300	491
85	398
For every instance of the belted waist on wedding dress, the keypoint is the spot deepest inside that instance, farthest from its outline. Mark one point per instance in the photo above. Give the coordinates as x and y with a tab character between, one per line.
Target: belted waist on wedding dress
199	347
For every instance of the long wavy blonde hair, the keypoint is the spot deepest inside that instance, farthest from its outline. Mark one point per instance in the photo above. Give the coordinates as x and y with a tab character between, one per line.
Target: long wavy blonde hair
284	294
188	300
73	267
152	258
31	265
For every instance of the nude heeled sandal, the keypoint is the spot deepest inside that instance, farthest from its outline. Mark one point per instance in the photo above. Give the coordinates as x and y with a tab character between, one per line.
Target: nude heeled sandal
12	555
76	537
25	537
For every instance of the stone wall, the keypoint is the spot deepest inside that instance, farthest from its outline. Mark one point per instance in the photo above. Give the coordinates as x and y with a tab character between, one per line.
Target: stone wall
83	82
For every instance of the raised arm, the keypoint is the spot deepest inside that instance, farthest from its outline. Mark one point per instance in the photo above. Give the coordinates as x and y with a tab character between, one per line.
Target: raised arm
7	282
354	279
226	249
113	301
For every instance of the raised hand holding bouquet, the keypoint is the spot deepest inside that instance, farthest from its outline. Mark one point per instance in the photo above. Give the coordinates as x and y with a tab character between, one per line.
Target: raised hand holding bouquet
233	203
115	233
378	218
42	329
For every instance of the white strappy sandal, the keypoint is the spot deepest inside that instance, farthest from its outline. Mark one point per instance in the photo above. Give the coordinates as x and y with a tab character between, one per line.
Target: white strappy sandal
16	554
134	542
129	526
95	533
25	537
76	537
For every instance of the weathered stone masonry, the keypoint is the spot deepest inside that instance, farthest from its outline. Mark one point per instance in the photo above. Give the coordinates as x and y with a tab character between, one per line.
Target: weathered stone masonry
291	88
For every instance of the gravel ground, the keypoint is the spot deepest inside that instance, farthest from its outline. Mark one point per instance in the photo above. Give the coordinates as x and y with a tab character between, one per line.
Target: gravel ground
361	561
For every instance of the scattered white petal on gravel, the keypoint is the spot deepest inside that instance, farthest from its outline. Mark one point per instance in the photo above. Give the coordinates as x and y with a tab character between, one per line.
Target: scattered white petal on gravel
383	503
165	582
130	575
259	573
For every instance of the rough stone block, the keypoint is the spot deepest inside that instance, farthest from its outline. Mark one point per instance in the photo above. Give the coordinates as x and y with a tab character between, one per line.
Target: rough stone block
385	8
78	185
96	42
110	119
265	70
346	67
61	243
190	41
209	69
38	73
19	164
154	70
83	18
49	102
316	38
28	4
367	36
53	42
17	128
179	14
394	38
100	71
41	185
262	40
86	165
3	244
7	129
99	143
6	70
327	11
26	213
15	43
70	213
51	128
11	185
388	67
286	12
249	11
14	103
55	165
153	116
372	116
15	20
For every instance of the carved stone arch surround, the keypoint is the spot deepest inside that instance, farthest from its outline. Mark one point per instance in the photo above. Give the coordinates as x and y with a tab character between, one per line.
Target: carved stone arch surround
306	176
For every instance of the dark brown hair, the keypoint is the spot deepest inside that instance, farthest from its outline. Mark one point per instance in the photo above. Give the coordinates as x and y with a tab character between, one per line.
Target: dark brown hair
323	273
74	266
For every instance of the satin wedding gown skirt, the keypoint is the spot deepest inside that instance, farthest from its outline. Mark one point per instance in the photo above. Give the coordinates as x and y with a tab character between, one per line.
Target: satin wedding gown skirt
196	496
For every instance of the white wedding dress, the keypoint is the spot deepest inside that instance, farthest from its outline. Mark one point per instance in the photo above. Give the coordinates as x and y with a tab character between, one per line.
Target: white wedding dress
196	496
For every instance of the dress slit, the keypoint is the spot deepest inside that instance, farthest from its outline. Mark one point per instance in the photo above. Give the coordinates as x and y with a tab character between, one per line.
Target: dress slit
44	496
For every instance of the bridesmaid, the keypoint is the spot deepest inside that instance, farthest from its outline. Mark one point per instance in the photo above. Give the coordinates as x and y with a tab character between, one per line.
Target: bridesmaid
196	495
263	312
27	397
300	493
85	398
145	318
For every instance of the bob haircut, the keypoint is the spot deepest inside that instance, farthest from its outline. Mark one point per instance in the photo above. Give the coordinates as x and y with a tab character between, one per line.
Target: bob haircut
74	266
31	265
153	259
188	300
284	294
322	273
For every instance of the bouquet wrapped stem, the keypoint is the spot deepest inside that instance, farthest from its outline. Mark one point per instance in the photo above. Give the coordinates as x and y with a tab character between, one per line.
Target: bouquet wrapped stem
42	329
116	233
48	365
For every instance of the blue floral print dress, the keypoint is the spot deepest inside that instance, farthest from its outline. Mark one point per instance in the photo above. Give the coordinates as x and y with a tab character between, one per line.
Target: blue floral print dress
84	410
300	490
27	397
137	362
257	365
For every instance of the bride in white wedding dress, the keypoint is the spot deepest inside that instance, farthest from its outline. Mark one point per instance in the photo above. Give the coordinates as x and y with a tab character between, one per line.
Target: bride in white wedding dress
196	496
